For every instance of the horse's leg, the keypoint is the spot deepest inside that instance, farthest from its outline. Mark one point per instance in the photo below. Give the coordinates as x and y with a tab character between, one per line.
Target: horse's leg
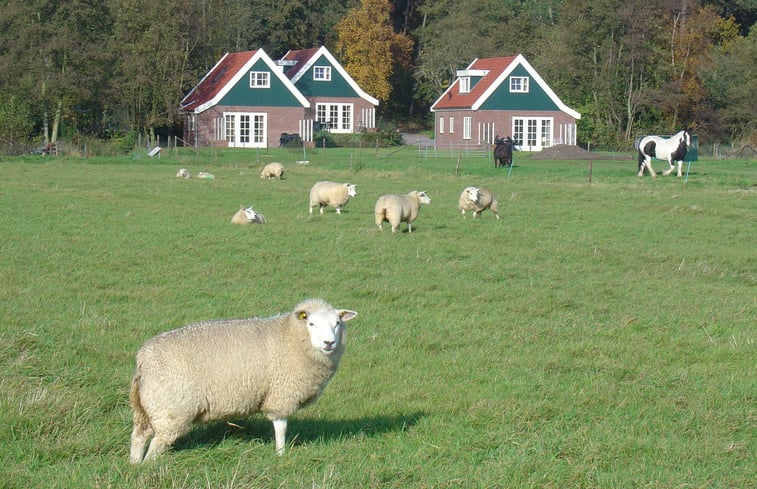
670	169
647	163
680	165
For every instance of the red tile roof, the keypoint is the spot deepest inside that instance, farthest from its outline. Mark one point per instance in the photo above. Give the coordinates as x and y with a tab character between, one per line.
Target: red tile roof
453	99
216	79
300	57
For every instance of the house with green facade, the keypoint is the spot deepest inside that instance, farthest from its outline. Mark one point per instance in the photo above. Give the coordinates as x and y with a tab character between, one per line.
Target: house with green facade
248	100
502	96
337	103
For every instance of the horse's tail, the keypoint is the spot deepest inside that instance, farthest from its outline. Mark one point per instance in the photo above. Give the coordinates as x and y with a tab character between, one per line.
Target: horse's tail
641	158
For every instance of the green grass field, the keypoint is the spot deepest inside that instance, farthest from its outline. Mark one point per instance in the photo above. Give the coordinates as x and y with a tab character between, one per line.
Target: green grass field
600	335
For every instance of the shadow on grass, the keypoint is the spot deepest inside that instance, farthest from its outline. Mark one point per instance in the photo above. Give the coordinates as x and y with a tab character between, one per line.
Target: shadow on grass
299	431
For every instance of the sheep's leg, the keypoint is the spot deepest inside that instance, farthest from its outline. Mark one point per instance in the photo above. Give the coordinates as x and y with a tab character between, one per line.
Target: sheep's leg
159	445
320	208
463	211
140	437
168	429
338	210
280	433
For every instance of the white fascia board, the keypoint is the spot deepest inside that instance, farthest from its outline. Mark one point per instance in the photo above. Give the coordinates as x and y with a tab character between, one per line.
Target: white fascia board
534	75
202	80
339	68
259	54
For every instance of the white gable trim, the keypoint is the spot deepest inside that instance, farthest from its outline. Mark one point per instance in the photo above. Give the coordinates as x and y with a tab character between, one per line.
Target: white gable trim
275	71
450	87
539	80
181	104
338	67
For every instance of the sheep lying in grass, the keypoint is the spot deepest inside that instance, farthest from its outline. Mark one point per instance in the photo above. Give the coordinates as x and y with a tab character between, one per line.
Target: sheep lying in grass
248	215
395	209
183	173
334	194
225	369
273	170
477	199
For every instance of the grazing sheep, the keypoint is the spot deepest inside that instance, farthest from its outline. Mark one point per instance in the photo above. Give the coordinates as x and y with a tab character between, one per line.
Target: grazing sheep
477	199
248	216
216	370
183	173
273	170
331	193
395	209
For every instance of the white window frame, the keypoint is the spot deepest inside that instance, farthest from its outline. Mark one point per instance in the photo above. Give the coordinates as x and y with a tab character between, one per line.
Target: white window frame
518	84
245	129
465	84
467	122
260	79
451	125
533	133
339	117
322	73
441	125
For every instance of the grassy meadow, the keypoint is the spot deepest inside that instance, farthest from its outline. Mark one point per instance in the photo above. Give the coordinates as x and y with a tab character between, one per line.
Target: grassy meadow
599	335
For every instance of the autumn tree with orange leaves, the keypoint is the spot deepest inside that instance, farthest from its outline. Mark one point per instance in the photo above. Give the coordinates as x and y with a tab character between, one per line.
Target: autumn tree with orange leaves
370	49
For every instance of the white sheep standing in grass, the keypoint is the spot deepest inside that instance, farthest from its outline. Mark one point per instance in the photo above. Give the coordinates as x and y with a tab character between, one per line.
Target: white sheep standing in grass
248	215
477	199
395	209
183	173
332	194
216	370
273	170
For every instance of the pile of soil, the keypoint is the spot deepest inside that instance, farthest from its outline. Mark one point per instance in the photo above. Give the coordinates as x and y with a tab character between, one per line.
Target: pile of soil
567	152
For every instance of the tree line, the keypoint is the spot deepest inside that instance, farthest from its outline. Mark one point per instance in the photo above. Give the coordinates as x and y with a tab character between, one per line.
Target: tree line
107	68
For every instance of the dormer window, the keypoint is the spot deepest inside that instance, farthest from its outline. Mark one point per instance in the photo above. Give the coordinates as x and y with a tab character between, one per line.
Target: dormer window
519	84
465	84
260	79
322	73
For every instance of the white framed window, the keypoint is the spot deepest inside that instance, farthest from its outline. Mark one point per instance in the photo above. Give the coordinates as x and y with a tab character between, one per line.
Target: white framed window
451	125
322	73
465	84
245	129
260	79
533	133
335	117
467	127
441	125
519	84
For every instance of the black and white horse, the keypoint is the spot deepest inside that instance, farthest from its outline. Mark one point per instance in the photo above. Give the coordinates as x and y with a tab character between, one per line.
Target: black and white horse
672	149
503	151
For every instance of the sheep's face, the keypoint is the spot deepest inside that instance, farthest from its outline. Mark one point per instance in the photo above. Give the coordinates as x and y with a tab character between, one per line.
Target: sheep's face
351	190
250	214
326	327
472	193
424	198
183	173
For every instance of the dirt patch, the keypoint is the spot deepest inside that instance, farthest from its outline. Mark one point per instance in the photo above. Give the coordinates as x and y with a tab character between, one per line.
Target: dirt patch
568	152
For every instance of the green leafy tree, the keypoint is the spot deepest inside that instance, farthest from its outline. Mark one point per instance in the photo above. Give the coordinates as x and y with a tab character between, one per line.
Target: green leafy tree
52	53
731	83
16	123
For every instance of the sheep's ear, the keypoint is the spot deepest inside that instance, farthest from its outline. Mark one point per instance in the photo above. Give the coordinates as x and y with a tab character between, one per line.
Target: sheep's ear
346	314
302	315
